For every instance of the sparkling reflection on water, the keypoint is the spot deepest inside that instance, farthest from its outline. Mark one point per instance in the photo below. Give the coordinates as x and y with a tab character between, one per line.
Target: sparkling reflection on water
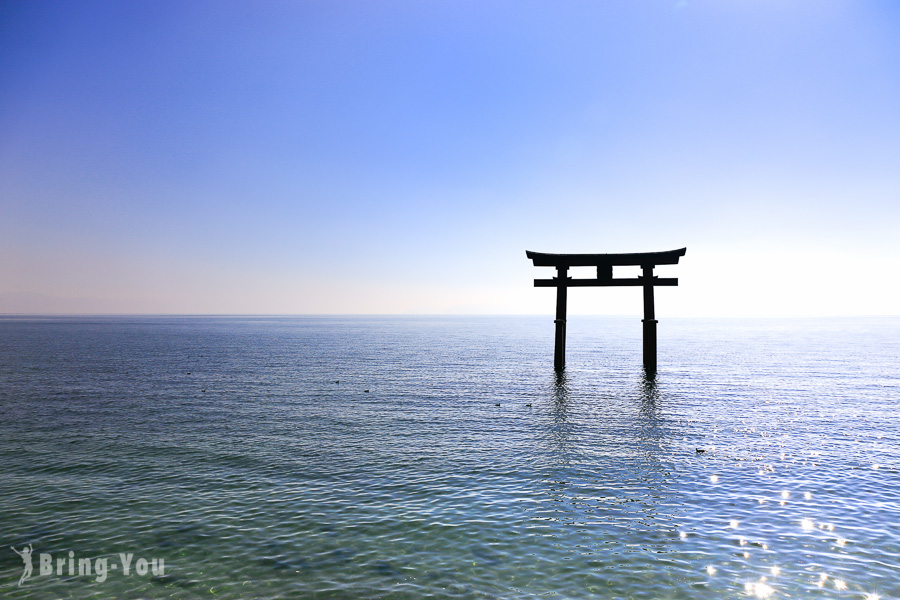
442	457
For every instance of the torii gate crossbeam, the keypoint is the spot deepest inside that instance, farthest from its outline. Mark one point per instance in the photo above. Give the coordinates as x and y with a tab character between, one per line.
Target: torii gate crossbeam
605	263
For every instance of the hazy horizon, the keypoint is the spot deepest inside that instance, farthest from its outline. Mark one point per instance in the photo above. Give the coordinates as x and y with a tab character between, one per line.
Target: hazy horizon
576	316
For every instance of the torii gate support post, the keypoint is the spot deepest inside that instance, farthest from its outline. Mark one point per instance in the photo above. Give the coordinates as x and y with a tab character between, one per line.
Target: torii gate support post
649	320
559	347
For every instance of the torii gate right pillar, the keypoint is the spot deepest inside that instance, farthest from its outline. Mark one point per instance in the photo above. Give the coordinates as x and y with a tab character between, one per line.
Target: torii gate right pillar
649	321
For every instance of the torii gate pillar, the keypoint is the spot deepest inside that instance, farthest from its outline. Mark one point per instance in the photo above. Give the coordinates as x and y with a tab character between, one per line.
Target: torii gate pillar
605	263
649	321
559	347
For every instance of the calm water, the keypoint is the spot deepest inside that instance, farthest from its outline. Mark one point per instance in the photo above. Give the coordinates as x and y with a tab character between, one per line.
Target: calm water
441	457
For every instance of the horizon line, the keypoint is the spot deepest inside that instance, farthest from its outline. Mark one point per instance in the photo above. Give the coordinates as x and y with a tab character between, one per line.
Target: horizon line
617	316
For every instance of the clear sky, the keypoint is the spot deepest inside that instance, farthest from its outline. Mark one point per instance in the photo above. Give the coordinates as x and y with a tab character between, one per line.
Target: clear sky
400	156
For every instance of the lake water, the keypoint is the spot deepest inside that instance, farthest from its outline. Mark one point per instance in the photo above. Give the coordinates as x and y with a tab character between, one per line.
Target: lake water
407	457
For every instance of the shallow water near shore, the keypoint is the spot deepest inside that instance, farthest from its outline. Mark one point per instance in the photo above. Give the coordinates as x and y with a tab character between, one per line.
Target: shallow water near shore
441	457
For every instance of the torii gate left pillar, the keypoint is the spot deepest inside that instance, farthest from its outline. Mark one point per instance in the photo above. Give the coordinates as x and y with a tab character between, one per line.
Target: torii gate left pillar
604	264
559	347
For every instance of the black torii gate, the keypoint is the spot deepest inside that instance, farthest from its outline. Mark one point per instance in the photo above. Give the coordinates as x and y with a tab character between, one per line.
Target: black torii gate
605	264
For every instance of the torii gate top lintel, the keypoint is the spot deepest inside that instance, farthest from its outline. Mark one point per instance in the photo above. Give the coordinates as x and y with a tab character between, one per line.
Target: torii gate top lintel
546	259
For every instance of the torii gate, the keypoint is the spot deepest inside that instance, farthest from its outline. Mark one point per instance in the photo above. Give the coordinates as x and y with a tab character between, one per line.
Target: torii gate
605	264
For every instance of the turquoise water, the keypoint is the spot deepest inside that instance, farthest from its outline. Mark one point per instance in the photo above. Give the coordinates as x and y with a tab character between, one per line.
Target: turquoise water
441	457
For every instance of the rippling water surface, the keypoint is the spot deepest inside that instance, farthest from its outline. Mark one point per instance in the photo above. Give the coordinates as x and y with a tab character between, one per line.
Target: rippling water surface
442	457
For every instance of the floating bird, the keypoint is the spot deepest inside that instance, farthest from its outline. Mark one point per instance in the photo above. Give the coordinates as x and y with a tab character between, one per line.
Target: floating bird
366	391
701	450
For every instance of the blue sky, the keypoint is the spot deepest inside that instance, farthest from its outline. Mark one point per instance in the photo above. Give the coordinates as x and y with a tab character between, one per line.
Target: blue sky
400	157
